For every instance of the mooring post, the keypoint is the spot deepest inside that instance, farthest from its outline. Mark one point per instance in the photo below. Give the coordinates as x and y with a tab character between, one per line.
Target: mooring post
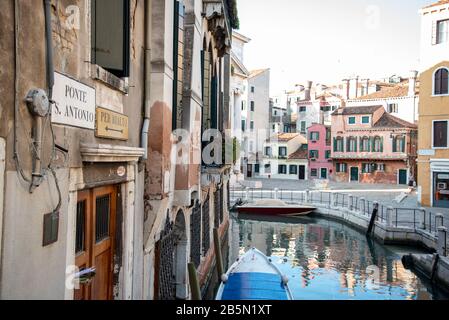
373	218
442	242
219	258
194	283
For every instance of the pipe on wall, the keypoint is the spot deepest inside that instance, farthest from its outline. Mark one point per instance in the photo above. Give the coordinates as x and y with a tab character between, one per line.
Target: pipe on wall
147	79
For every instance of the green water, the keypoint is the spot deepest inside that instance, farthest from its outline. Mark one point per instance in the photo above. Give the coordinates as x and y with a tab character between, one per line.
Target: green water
327	260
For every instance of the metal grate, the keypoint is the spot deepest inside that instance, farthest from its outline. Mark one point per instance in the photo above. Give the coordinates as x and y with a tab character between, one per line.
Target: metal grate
195	236
166	276
218	208
80	245
102	218
206	226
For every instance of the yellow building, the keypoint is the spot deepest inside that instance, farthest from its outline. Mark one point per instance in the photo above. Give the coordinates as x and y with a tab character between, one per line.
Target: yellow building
433	159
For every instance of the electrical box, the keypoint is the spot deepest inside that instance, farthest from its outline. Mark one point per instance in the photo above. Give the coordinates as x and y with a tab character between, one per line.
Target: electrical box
51	228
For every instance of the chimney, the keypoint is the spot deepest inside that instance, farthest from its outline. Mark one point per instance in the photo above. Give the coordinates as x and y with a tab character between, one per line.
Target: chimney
354	88
366	88
412	83
346	89
308	90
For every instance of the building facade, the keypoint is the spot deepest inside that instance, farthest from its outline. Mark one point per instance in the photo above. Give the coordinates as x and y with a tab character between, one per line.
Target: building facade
118	183
255	120
433	161
319	151
370	145
285	157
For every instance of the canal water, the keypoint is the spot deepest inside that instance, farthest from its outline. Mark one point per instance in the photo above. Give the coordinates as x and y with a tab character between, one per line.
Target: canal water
328	260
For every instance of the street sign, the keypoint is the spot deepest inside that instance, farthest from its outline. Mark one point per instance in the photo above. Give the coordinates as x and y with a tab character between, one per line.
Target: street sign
111	125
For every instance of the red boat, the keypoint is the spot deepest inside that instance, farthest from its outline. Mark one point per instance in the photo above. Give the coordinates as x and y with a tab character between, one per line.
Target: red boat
275	208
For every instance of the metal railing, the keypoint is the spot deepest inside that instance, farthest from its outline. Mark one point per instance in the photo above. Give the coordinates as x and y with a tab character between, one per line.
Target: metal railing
412	218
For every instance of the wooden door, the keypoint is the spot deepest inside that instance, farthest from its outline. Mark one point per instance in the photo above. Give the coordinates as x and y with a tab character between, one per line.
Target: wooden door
354	174
402	178
96	219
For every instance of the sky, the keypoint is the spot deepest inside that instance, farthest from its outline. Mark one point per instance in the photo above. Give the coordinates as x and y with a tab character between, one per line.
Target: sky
328	40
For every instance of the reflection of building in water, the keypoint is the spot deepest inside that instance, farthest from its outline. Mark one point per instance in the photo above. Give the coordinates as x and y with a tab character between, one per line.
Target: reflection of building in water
326	247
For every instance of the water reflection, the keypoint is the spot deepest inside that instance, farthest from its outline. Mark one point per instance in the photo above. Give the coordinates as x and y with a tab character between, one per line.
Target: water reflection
326	260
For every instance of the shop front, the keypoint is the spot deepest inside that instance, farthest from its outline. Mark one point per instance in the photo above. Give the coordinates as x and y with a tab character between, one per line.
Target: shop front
440	183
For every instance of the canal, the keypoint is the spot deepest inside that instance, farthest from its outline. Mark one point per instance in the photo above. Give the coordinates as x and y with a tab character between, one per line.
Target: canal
328	260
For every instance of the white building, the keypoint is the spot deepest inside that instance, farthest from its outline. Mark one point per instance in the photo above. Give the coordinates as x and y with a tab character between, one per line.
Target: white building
400	99
239	91
285	157
255	119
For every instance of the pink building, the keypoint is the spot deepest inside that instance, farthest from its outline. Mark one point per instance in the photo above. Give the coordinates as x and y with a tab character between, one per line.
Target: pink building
320	143
373	146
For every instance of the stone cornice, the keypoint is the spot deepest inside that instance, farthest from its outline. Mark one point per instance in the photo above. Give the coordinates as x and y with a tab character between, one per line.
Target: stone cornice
109	153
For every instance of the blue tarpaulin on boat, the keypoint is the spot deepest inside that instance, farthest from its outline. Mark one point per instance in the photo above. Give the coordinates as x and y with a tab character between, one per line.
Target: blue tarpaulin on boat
254	286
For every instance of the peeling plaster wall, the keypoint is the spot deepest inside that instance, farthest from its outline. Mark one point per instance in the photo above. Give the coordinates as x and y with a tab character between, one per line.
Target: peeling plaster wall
28	269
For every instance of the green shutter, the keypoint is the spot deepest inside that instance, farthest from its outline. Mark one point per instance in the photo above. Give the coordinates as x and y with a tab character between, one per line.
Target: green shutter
394	145
382	145
355	145
335	144
372	144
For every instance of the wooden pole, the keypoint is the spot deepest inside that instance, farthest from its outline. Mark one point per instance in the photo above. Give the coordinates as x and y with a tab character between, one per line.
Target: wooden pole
219	258
194	283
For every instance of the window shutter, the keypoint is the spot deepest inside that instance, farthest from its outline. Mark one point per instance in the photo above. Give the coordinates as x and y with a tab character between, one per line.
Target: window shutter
382	145
348	141
434	32
355	145
395	145
372	144
335	144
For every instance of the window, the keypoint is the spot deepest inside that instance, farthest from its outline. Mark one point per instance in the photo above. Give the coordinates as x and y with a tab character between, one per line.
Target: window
365	120
282	169
328	154
334	108
252	125
399	144
368	167
303	127
339	144
314	173
342	167
351	120
252	106
268	151
274	127
302	109
275	113
440	134
243	105
328	136
257	168
442	31
393	108
314	154
110	35
315	136
441	82
282	152
253	89
243	125
293	169
351	144
326	109
178	64
381	167
378	145
365	144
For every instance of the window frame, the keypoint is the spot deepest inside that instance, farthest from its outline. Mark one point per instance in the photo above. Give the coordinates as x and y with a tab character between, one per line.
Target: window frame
438	31
290	167
366	117
349	121
434	84
281	172
433	136
314	175
282	155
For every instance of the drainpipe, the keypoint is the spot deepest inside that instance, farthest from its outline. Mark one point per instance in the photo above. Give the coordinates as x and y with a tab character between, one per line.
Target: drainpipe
37	177
147	77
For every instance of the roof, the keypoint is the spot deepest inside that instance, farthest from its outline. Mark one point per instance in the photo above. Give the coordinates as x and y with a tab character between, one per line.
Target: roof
256	73
240	36
301	153
439	3
239	64
390	121
286	137
357	110
400	90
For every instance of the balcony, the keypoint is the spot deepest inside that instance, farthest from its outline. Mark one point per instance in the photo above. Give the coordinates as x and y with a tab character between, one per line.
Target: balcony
368	156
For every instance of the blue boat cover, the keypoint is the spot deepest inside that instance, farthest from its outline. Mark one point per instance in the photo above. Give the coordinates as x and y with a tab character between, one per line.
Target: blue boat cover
254	286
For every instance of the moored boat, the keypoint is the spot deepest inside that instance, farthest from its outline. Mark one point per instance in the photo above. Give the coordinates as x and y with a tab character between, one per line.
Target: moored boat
275	207
254	277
